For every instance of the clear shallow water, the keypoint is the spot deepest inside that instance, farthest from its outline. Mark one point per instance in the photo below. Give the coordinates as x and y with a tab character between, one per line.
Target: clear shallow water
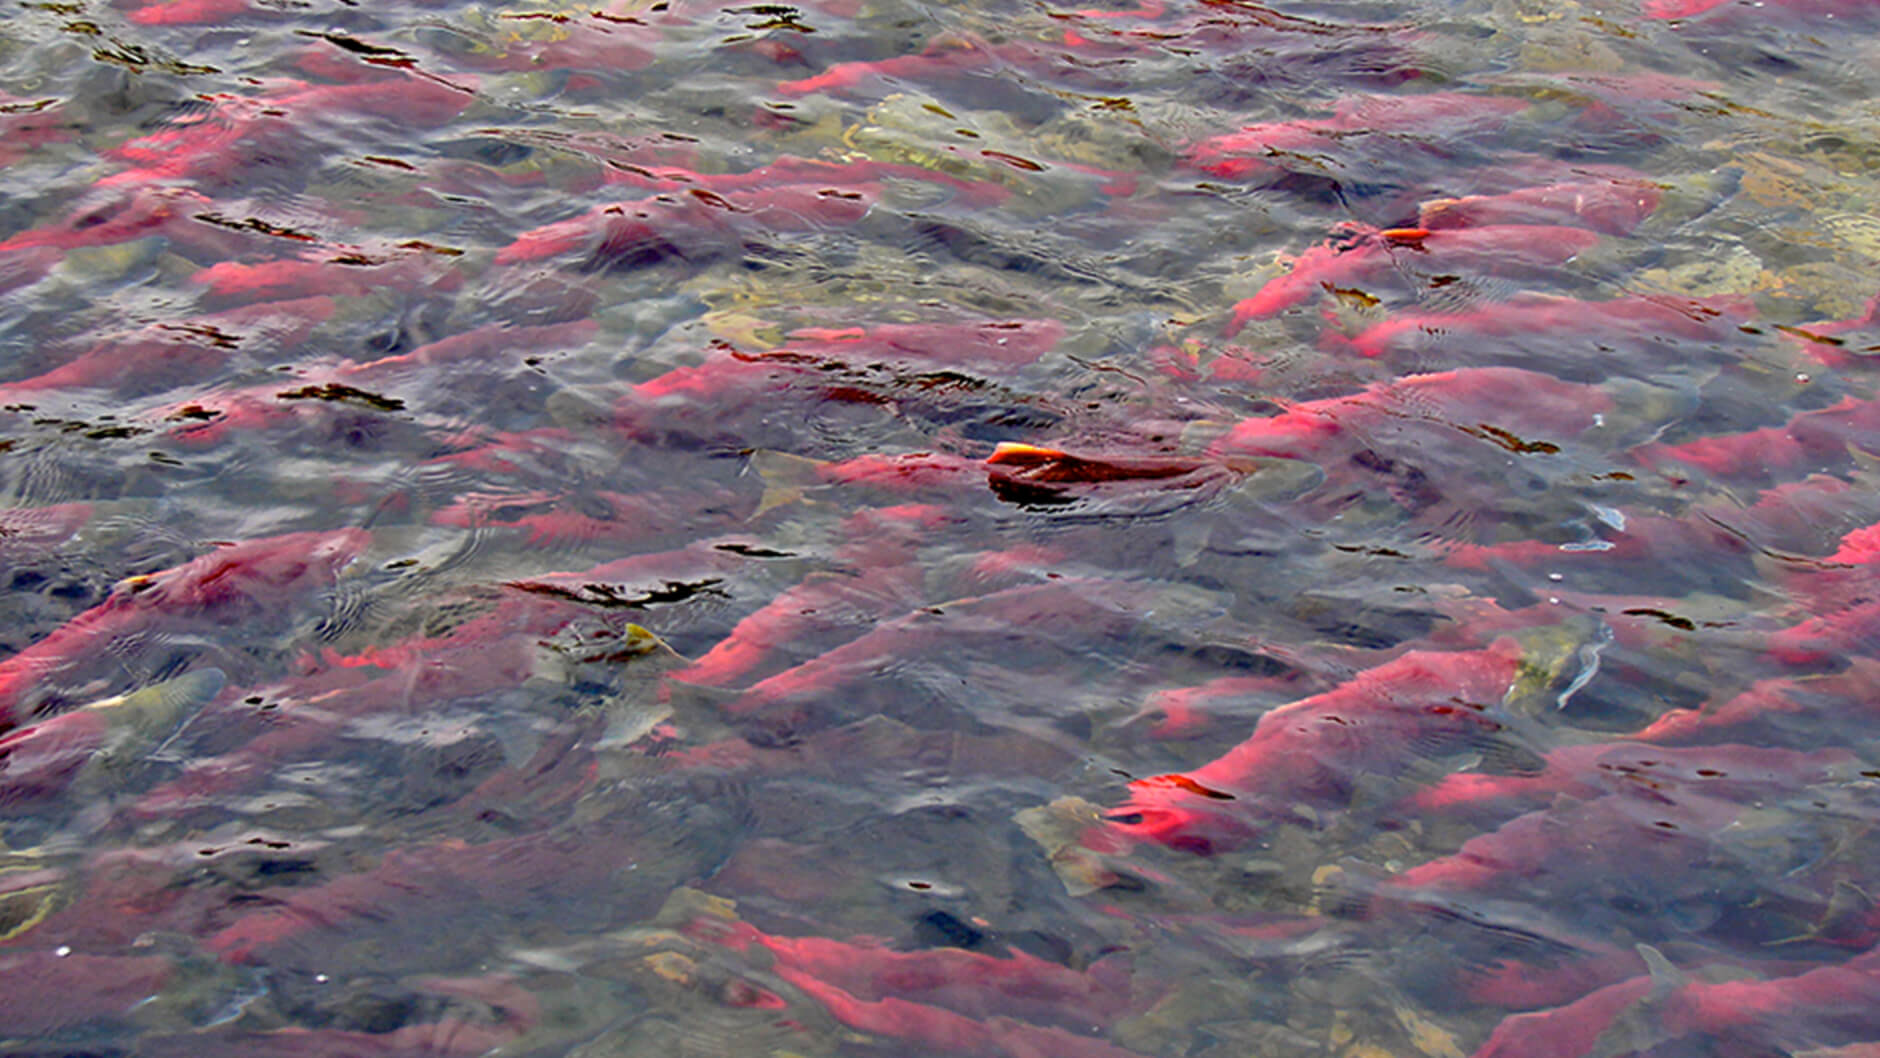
1199	529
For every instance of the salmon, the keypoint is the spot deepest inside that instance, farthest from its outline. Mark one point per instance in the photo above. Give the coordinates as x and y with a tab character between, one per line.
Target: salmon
1815	440
1472	402
1614	206
1739	1016
1263	151
691	225
1599	324
1361	254
181	352
1314	751
237	583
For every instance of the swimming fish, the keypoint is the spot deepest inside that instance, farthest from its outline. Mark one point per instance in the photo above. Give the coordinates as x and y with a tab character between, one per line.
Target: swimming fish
1614	206
1314	751
691	225
1260	151
237	582
1597	325
1360	254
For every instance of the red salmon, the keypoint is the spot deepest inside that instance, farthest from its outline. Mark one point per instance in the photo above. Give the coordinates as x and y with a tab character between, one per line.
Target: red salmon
209	417
1728	771
1783	710
977	985
109	218
335	273
1361	254
221	146
1614	206
182	352
882	579
691	225
1026	473
64	992
1436	117
29	124
1313	751
1675	9
1423	409
238	582
552	519
1737	1016
1633	319
1816	439
791	170
880	365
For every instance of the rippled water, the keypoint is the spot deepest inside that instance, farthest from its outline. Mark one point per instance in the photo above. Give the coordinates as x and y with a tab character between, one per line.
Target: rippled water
1199	529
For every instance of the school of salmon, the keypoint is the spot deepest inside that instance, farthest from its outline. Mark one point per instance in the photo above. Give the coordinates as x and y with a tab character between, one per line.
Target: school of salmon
516	547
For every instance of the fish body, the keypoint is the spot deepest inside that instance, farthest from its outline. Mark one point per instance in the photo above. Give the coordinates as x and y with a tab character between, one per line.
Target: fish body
188	12
1182	712
1734	772
1613	206
554	519
501	343
1828	343
520	452
1634	318
43	761
1436	117
672	179
1677	842
1432	405
1817	439
822	367
1041	465
810	695
942	999
418	886
112	217
936	1027
239	582
69	991
1778	710
904	472
240	132
877	577
29	125
331	274
1744	1016
1313	751
691	225
1362	254
1792	519
210	417
979	985
645	580
1680	9
27	532
1852	628
181	352
307	712
1036	475
940	61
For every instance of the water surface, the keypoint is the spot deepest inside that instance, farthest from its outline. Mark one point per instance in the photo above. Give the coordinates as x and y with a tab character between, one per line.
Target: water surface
894	528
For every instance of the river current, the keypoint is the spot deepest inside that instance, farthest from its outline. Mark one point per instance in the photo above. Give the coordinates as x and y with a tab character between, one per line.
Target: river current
874	527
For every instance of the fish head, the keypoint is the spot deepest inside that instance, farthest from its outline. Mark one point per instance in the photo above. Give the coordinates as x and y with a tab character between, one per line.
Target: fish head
1182	813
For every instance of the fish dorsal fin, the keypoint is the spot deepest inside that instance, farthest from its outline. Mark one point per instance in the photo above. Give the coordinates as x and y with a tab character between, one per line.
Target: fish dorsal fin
1641	1026
1666	978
